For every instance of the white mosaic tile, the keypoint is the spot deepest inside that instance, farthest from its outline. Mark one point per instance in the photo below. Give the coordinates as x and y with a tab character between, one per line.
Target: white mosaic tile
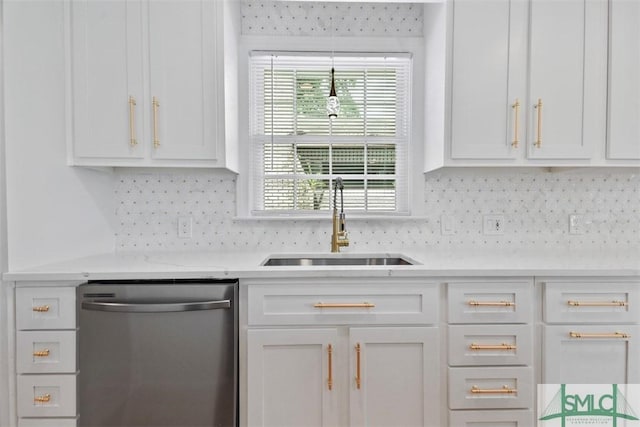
286	18
536	205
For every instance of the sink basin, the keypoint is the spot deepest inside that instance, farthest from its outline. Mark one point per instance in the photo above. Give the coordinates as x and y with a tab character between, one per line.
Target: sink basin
335	260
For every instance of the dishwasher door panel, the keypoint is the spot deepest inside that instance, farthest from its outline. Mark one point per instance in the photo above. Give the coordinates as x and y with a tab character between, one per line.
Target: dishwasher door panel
172	364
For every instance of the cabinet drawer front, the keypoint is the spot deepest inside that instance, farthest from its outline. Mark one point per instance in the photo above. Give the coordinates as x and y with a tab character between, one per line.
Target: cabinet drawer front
46	352
490	345
490	302
591	302
307	304
591	354
47	395
508	418
47	422
491	388
45	308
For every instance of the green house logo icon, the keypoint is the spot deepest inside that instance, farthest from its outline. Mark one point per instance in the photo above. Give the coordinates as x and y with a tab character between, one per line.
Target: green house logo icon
589	408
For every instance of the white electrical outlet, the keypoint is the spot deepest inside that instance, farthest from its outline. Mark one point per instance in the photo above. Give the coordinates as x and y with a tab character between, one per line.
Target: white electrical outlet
447	226
493	224
576	224
184	227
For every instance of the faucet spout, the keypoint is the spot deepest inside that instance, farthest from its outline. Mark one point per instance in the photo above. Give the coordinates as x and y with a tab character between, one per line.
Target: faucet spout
339	235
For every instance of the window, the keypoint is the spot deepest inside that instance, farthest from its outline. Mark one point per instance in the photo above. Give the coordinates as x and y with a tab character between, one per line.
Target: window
298	151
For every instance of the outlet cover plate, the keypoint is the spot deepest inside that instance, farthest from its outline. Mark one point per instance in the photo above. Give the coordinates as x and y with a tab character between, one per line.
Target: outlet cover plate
493	224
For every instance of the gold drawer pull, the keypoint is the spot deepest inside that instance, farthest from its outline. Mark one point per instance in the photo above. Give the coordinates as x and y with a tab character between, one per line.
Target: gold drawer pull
504	390
516	127
344	305
41	353
492	303
41	308
155	105
358	377
502	346
330	363
132	122
538	142
611	335
597	303
42	399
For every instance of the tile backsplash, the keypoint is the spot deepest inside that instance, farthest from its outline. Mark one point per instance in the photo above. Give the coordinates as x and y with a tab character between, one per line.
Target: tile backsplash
535	203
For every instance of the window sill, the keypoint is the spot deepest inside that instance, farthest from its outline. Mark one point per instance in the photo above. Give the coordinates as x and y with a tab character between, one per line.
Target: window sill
327	217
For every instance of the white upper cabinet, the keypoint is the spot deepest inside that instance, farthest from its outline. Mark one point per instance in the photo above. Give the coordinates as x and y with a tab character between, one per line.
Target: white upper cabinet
567	61
527	84
623	139
488	78
148	81
107	75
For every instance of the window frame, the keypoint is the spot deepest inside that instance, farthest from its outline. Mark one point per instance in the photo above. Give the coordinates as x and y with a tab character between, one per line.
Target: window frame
412	46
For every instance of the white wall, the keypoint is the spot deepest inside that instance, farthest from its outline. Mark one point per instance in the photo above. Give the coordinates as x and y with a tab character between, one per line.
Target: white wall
54	211
4	362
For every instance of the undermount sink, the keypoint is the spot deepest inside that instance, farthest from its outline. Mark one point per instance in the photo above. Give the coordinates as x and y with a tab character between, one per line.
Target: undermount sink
335	260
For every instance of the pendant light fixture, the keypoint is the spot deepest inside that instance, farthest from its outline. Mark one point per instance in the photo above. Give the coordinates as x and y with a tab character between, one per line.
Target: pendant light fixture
333	104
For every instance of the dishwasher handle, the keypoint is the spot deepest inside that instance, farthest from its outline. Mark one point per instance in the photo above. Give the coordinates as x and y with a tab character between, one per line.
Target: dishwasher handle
124	307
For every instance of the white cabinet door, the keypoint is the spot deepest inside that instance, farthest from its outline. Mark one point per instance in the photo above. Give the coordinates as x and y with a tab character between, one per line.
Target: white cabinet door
182	46
107	69
567	71
489	75
288	373
394	377
591	354
624	80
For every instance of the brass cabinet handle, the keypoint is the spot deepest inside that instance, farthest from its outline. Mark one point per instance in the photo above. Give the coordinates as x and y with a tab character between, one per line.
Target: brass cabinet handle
344	305
132	121
516	127
42	399
597	303
41	308
330	363
156	105
504	390
611	335
492	303
502	346
538	106
358	377
41	353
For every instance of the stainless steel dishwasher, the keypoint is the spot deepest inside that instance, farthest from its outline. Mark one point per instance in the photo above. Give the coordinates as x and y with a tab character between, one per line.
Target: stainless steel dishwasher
158	353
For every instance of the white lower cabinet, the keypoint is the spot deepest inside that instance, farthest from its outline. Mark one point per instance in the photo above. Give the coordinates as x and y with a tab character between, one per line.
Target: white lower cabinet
490	352
516	418
46	364
341	372
591	331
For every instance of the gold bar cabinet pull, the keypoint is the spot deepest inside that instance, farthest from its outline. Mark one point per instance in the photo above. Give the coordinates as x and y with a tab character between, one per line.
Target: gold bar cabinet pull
502	346
358	378
132	122
516	125
538	106
491	303
597	303
611	335
42	399
504	390
41	353
330	363
155	104
41	308
344	305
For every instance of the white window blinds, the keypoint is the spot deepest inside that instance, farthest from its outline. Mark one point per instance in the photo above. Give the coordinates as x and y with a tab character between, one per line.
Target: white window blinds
298	151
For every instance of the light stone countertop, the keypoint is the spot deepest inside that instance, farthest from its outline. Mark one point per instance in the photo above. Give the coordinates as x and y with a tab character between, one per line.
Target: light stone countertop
430	263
